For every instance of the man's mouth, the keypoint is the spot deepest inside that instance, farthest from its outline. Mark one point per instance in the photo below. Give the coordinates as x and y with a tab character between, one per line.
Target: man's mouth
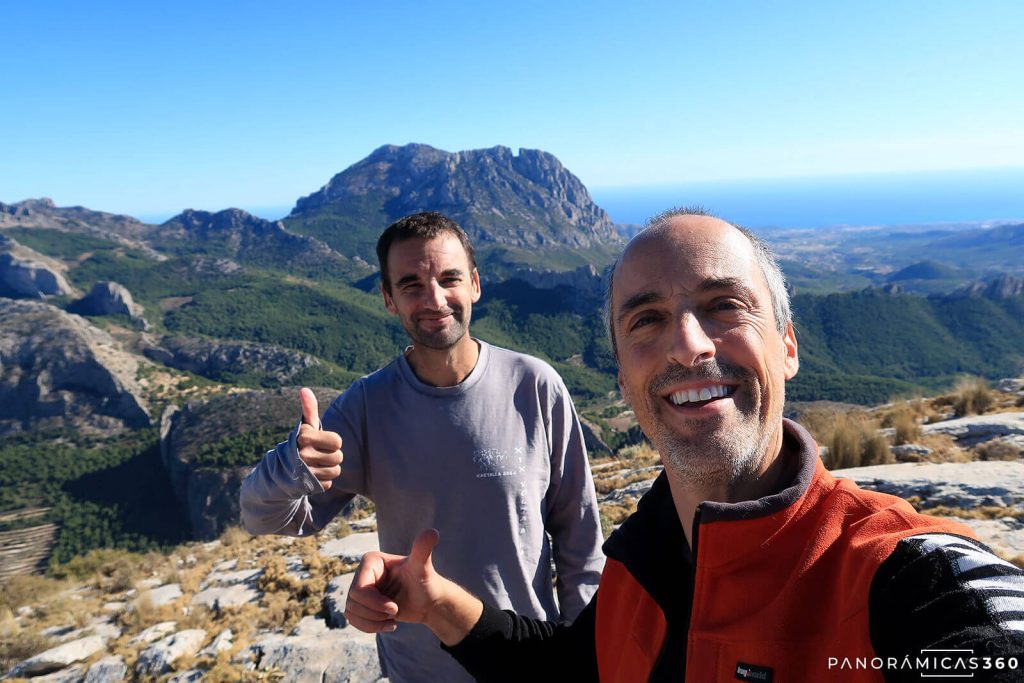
703	394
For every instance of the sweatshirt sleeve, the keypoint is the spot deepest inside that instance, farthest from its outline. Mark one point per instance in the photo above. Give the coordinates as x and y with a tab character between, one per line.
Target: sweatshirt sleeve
947	593
572	515
281	496
505	647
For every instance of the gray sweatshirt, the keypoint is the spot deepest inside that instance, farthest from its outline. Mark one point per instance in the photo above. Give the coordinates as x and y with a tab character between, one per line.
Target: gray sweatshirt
492	463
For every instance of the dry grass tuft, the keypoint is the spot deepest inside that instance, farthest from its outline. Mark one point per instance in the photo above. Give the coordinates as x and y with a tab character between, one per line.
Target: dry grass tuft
981	512
852	439
613	514
971	396
904	422
234	536
23	590
998	449
605	485
20	647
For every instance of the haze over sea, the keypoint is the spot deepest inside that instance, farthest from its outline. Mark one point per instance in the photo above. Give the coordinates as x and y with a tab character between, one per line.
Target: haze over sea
877	199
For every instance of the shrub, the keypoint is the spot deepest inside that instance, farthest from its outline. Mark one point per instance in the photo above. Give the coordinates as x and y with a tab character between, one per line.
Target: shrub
234	535
907	429
22	590
971	395
998	449
21	647
903	420
854	441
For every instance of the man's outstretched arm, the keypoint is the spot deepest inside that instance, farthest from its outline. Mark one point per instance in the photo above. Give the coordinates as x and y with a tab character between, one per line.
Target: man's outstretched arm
493	645
284	493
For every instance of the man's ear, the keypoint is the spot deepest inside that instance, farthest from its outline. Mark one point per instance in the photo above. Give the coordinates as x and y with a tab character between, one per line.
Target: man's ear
389	303
792	359
622	390
475	277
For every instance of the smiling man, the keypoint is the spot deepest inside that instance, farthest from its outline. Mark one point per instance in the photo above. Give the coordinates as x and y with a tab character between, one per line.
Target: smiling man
746	560
472	439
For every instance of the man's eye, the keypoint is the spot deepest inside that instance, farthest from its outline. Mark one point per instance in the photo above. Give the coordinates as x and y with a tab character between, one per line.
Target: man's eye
726	305
642	321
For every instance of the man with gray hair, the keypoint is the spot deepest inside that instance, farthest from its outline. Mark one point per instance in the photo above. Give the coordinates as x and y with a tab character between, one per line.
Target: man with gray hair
746	560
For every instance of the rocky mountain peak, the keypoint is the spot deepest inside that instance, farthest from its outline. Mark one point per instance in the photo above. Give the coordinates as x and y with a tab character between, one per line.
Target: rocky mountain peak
523	200
239	234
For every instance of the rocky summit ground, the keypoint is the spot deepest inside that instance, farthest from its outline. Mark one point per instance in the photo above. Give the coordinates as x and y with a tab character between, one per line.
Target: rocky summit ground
243	608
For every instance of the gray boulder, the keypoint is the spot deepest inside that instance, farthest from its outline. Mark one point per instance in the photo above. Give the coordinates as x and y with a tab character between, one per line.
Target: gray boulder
227	588
58	657
162	595
1011	385
30	279
72	674
910	452
976	429
110	669
109	298
221	643
320	655
58	371
335	597
961	484
351	548
25	273
158	657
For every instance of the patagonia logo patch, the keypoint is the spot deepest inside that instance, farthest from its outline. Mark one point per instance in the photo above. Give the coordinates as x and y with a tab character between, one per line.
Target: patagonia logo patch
753	672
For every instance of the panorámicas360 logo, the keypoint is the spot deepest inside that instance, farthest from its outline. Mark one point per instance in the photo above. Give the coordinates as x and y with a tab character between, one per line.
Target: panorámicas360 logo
930	664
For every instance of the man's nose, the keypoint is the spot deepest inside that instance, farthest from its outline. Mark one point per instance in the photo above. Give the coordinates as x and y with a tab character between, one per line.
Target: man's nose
436	298
691	345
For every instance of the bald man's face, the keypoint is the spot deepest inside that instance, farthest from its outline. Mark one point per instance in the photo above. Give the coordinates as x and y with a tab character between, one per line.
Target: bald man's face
700	358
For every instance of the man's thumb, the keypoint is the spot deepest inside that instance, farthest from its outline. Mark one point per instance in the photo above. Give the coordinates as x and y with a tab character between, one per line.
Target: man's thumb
310	411
422	547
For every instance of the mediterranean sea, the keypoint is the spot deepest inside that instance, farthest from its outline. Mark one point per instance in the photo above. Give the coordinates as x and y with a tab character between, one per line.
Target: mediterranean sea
982	195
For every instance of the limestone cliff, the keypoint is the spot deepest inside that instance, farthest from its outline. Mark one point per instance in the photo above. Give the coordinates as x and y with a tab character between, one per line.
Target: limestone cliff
58	371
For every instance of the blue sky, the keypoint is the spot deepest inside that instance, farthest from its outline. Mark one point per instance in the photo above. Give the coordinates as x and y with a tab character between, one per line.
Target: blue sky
141	109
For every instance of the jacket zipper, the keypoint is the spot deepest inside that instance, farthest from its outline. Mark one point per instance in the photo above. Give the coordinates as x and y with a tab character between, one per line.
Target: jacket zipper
693	582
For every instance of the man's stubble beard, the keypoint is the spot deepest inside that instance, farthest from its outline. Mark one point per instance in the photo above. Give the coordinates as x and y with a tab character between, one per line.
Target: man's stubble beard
717	455
442	339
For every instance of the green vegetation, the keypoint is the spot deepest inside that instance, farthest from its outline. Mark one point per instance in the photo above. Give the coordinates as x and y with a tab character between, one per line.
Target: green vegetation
343	330
240	450
102	492
60	244
867	346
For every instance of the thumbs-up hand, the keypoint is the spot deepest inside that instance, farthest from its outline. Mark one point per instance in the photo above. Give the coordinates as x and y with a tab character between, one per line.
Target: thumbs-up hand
320	450
391	588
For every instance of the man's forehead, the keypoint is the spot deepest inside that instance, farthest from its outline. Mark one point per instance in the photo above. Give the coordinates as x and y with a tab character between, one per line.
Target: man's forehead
687	251
444	245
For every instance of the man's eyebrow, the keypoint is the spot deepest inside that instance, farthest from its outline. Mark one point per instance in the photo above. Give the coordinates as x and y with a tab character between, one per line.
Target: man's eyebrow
733	283
636	301
413	277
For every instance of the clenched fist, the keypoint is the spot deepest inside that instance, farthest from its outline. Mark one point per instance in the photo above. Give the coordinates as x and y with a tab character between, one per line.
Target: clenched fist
320	450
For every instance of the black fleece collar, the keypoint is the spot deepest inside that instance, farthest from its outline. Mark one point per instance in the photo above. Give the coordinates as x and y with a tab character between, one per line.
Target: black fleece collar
651	542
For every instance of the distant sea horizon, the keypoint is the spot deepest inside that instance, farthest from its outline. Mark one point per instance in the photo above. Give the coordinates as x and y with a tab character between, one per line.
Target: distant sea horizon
992	195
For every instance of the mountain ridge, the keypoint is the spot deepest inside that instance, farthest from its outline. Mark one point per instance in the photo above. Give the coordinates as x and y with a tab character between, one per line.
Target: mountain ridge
517	201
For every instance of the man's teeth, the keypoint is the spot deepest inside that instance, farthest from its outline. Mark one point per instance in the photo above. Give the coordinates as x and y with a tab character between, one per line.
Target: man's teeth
695	395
